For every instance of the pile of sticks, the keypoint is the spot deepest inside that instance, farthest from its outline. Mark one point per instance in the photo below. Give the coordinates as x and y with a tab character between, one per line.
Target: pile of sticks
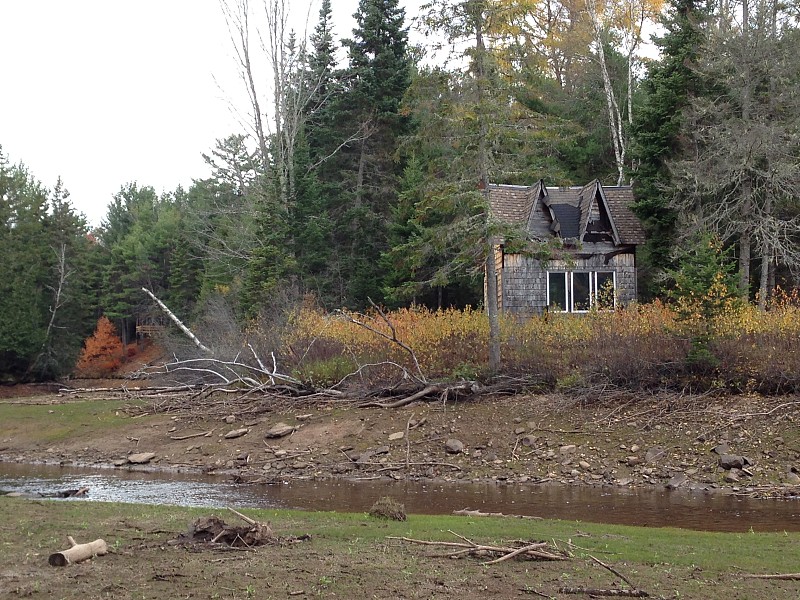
497	554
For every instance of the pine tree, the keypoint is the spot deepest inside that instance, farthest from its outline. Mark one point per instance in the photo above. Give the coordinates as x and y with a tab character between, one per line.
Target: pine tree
378	76
669	86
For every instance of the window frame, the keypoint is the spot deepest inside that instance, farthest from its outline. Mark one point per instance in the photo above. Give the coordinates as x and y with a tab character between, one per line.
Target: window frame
569	289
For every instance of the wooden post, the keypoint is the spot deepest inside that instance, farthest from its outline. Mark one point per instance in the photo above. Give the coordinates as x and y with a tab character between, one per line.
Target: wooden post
77	552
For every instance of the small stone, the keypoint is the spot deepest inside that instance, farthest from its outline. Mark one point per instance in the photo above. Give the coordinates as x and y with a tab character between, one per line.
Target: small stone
528	441
280	453
567	448
519	431
141	458
399	435
381	450
732	461
792	478
721	449
236	433
677	481
230	419
279	430
454	446
624	481
584	465
732	476
655	454
633	461
635	448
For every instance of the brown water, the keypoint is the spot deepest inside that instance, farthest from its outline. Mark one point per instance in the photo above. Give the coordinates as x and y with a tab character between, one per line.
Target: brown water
645	507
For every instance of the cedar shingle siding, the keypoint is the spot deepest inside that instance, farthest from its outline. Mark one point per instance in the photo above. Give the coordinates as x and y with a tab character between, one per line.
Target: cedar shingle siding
598	233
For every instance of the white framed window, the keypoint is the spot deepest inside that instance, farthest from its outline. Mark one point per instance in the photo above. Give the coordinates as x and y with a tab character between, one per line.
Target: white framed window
580	291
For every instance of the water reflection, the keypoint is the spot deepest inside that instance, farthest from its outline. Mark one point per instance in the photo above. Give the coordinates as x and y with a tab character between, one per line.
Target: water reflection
654	508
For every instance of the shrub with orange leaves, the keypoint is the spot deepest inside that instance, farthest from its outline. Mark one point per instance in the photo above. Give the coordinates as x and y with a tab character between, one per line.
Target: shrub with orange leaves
102	352
643	346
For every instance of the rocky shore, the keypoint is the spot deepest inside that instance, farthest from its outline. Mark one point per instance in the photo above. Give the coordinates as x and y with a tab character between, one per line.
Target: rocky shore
740	444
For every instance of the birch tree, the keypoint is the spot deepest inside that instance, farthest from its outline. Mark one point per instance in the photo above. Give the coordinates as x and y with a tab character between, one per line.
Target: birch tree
625	20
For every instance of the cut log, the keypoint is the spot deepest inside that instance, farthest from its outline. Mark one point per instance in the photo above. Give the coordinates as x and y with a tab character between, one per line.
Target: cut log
77	552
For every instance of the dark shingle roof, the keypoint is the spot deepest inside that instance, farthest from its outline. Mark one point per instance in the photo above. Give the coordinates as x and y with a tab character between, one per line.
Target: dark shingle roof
629	227
514	204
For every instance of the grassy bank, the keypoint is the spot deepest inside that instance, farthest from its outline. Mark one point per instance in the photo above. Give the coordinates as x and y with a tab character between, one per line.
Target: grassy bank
51	422
350	556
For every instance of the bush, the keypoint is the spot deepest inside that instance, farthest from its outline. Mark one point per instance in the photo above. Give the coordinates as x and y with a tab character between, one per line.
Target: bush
388	508
641	347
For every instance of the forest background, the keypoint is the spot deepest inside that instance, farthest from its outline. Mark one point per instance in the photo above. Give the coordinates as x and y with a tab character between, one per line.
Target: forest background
358	182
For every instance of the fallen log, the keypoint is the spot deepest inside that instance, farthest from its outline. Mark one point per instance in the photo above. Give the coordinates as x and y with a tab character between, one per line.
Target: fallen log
783	576
189	436
435	388
77	552
66	493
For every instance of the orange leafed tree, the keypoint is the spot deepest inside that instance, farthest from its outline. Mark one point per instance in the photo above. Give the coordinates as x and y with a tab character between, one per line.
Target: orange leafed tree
102	352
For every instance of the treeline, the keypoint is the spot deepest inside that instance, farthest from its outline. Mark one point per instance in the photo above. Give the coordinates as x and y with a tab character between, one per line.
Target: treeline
360	179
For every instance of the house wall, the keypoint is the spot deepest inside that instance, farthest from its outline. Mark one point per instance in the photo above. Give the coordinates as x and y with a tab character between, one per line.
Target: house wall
524	279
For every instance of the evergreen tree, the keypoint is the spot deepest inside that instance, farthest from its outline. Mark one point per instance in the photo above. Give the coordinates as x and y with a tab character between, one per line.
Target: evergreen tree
45	294
378	76
669	86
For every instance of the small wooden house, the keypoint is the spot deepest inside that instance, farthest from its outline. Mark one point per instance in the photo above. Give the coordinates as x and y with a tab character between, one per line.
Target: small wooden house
590	235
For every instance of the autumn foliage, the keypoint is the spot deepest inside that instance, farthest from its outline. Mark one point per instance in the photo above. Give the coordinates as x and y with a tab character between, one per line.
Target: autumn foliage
642	347
102	353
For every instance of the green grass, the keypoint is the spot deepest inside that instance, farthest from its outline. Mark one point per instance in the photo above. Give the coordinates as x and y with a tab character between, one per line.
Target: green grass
350	554
56	422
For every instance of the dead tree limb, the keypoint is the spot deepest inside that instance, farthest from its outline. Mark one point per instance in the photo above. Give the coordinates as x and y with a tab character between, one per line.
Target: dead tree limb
597	592
783	576
434	388
467	547
614	571
392	338
177	321
465	512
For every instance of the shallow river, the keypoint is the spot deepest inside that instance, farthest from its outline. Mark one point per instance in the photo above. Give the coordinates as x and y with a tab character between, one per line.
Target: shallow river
647	507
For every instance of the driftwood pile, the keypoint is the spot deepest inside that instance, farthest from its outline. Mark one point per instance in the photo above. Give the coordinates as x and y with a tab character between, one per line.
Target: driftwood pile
495	554
213	530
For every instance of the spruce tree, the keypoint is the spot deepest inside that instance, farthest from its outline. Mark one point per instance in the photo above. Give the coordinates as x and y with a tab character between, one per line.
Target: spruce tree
668	88
378	76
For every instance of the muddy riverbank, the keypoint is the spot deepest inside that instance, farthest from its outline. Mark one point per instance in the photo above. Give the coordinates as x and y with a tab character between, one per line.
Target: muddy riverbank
748	445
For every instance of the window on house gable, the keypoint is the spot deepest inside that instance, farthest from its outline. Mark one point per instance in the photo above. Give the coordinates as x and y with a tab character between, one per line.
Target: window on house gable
579	291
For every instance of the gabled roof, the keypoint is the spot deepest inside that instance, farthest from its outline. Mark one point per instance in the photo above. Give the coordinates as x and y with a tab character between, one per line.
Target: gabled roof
568	208
515	204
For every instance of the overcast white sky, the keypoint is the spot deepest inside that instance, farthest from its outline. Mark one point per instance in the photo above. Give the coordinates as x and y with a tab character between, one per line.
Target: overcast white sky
105	92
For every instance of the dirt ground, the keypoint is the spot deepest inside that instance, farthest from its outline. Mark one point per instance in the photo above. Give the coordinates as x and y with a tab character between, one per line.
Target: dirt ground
656	441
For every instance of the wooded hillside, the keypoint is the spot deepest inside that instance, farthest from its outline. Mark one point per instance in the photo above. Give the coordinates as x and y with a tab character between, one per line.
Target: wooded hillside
360	176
